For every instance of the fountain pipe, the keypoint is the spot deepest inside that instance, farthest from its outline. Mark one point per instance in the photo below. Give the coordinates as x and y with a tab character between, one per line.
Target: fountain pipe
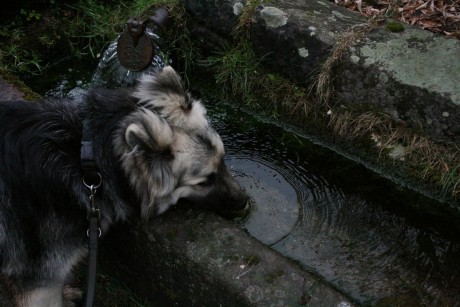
134	46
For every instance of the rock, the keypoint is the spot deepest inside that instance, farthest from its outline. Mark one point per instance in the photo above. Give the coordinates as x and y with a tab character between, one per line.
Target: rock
9	91
413	73
191	258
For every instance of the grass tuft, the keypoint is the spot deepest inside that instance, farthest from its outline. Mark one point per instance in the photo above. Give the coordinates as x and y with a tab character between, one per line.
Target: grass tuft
323	85
423	158
239	74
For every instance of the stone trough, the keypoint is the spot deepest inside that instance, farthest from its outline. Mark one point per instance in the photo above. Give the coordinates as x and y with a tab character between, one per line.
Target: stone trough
192	258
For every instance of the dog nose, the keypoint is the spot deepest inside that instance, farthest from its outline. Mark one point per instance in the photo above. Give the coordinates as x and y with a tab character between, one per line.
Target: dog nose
239	201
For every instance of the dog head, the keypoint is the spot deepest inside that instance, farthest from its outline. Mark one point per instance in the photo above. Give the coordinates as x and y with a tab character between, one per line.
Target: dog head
169	151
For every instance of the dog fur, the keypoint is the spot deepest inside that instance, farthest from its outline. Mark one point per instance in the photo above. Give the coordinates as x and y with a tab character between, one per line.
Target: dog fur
153	146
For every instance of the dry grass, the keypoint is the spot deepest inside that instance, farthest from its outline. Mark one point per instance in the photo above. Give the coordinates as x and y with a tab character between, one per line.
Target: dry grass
245	20
438	164
350	125
322	87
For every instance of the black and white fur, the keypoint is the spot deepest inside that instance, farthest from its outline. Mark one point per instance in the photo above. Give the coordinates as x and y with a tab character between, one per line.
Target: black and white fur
153	146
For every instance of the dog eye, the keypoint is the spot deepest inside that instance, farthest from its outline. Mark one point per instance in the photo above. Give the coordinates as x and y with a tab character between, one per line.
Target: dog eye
210	180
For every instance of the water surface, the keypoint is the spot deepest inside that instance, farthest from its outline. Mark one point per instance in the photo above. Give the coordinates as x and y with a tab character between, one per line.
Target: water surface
359	232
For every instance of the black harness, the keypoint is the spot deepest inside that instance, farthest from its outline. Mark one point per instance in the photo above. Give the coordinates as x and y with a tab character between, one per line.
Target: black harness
92	180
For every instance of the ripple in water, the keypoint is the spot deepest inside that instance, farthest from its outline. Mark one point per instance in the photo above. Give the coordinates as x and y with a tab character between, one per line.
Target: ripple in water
275	210
336	220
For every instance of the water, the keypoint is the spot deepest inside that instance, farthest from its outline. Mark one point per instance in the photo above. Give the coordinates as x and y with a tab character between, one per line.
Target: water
355	230
110	73
352	228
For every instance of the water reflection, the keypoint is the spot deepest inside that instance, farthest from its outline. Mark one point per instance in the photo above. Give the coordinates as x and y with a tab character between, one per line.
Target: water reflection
361	237
274	220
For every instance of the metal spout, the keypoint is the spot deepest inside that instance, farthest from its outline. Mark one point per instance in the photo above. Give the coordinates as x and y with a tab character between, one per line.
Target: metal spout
134	46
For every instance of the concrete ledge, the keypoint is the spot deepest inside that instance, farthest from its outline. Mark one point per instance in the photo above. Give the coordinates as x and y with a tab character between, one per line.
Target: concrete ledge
192	258
412	75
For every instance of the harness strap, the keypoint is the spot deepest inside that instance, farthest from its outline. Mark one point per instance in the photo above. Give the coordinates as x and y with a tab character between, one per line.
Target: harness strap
87	163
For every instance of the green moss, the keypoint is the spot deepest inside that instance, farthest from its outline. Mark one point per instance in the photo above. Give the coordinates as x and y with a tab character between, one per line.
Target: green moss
28	94
232	258
394	26
271	277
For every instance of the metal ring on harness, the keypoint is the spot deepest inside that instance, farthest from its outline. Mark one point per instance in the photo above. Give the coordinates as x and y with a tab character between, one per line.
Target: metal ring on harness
92	186
99	232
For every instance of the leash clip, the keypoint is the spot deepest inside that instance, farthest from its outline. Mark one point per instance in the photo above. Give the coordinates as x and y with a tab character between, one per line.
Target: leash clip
93	211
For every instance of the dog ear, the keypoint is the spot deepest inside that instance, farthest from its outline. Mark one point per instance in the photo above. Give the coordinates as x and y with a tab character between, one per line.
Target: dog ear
150	132
164	92
144	144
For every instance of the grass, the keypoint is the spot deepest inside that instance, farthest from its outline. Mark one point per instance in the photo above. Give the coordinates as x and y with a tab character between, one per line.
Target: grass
95	25
435	163
242	29
21	60
323	85
31	41
239	74
14	57
236	73
98	22
181	45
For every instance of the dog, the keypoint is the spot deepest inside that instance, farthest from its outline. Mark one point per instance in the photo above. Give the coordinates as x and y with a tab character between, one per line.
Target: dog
153	146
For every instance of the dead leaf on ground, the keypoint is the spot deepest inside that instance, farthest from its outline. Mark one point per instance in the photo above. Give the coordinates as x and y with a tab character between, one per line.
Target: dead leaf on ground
440	16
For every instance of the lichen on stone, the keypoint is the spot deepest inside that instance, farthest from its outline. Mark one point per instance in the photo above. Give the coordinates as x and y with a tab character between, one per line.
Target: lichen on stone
274	17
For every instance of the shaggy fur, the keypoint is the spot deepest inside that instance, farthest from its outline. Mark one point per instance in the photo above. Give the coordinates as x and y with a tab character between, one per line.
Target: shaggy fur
153	146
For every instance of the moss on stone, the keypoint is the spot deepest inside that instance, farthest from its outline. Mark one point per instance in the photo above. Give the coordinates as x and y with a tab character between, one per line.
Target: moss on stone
394	27
27	92
271	277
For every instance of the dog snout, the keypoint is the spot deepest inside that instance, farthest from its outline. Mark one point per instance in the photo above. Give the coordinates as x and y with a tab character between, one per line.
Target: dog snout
238	200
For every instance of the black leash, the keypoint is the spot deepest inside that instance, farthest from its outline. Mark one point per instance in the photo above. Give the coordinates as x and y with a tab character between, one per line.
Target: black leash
92	180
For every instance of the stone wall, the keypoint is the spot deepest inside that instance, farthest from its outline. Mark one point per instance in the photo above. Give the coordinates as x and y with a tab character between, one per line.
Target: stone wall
413	75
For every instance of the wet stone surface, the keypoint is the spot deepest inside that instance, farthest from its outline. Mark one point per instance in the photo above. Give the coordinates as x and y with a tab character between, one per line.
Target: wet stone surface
191	258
